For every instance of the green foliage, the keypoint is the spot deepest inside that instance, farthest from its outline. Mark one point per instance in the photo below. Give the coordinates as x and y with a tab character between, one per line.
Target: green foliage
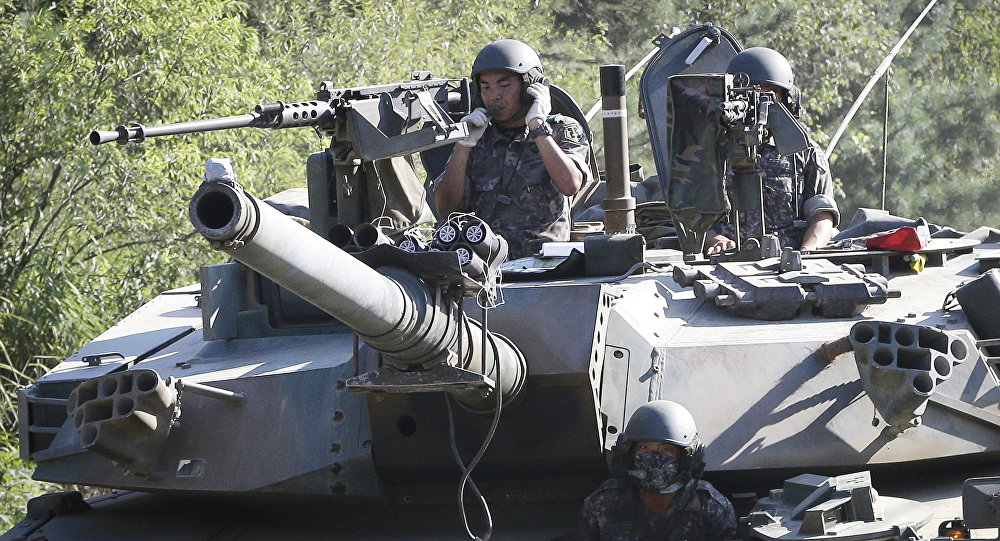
16	483
88	233
977	49
943	147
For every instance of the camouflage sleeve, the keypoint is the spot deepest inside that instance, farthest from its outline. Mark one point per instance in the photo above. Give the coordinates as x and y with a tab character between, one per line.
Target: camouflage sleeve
570	137
467	189
718	515
817	194
722	524
724	227
588	530
594	508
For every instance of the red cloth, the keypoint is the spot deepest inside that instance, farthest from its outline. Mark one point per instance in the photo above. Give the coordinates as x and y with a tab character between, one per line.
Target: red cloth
904	239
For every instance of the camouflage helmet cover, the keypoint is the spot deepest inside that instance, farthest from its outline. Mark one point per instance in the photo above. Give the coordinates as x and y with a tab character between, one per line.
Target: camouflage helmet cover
763	66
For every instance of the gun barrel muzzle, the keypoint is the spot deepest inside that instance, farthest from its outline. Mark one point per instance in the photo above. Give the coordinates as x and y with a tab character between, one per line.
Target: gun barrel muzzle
99	137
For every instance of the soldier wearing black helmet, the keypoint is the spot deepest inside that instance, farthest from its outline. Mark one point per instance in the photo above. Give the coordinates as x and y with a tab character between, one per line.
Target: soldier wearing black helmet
663	496
798	190
519	163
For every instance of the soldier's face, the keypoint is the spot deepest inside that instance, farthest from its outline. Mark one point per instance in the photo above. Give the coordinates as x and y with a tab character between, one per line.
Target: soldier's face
663	447
502	89
780	93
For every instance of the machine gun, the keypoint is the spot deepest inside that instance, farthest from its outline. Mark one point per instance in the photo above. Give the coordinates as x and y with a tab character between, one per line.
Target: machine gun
371	128
715	121
750	117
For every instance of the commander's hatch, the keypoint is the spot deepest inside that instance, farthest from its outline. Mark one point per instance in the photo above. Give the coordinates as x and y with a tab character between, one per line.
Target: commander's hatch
705	49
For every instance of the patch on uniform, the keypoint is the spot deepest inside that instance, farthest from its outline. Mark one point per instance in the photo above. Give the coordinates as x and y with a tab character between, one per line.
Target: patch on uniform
570	131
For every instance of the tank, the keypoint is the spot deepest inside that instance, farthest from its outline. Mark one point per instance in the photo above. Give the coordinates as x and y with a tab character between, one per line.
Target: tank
332	381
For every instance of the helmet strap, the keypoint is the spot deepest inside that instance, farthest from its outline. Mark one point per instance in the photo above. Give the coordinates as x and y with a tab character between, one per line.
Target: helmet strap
532	76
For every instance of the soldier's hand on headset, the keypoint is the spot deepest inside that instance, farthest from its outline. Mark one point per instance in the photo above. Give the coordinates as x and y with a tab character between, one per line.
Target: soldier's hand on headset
476	121
542	105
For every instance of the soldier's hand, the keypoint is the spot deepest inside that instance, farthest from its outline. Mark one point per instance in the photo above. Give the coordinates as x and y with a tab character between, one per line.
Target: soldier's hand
718	244
476	121
542	105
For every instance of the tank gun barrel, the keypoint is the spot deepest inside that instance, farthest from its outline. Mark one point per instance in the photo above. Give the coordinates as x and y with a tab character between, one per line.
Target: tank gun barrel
391	309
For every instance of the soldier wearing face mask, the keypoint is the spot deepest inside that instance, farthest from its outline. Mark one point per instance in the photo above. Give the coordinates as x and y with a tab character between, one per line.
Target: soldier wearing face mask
663	497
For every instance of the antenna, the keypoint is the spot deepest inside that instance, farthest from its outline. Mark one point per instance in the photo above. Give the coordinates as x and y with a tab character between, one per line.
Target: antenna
871	82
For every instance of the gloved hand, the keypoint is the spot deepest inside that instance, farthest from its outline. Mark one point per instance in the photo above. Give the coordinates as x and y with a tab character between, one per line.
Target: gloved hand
542	105
477	121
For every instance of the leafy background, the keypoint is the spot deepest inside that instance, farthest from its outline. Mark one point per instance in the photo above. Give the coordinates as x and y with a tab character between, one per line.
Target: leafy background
88	234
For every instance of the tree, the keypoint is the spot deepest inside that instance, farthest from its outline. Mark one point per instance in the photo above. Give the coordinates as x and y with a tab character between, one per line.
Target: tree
87	233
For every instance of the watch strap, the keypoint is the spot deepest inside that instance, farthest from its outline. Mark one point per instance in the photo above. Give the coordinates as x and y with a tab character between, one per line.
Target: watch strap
542	129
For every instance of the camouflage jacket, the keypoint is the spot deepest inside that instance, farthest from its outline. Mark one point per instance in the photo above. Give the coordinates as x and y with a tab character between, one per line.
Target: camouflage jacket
507	185
796	187
614	512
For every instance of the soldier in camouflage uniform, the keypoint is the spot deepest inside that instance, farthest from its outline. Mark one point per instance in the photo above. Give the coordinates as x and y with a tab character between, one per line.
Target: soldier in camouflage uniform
519	163
663	497
798	190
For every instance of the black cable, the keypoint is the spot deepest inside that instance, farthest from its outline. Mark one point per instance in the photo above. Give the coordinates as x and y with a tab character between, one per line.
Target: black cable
461	465
630	272
467	471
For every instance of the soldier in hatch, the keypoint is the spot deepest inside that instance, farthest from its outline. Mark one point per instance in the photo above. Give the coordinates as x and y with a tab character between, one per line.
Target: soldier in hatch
798	191
519	163
663	498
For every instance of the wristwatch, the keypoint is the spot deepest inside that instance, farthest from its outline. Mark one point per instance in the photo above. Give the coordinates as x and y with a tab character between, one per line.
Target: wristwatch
542	129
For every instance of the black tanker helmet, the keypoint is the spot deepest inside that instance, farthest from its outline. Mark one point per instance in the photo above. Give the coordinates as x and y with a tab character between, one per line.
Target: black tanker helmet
767	66
664	421
507	55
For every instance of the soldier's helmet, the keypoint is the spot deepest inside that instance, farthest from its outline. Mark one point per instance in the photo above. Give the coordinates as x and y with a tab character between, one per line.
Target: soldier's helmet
767	66
763	65
661	420
664	421
507	55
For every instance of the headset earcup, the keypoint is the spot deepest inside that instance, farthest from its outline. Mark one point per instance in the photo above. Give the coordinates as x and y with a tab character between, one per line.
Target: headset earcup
698	461
530	77
795	101
621	457
475	95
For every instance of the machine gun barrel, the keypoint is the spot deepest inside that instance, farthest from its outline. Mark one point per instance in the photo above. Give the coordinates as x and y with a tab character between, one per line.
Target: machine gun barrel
268	115
138	133
392	111
391	309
